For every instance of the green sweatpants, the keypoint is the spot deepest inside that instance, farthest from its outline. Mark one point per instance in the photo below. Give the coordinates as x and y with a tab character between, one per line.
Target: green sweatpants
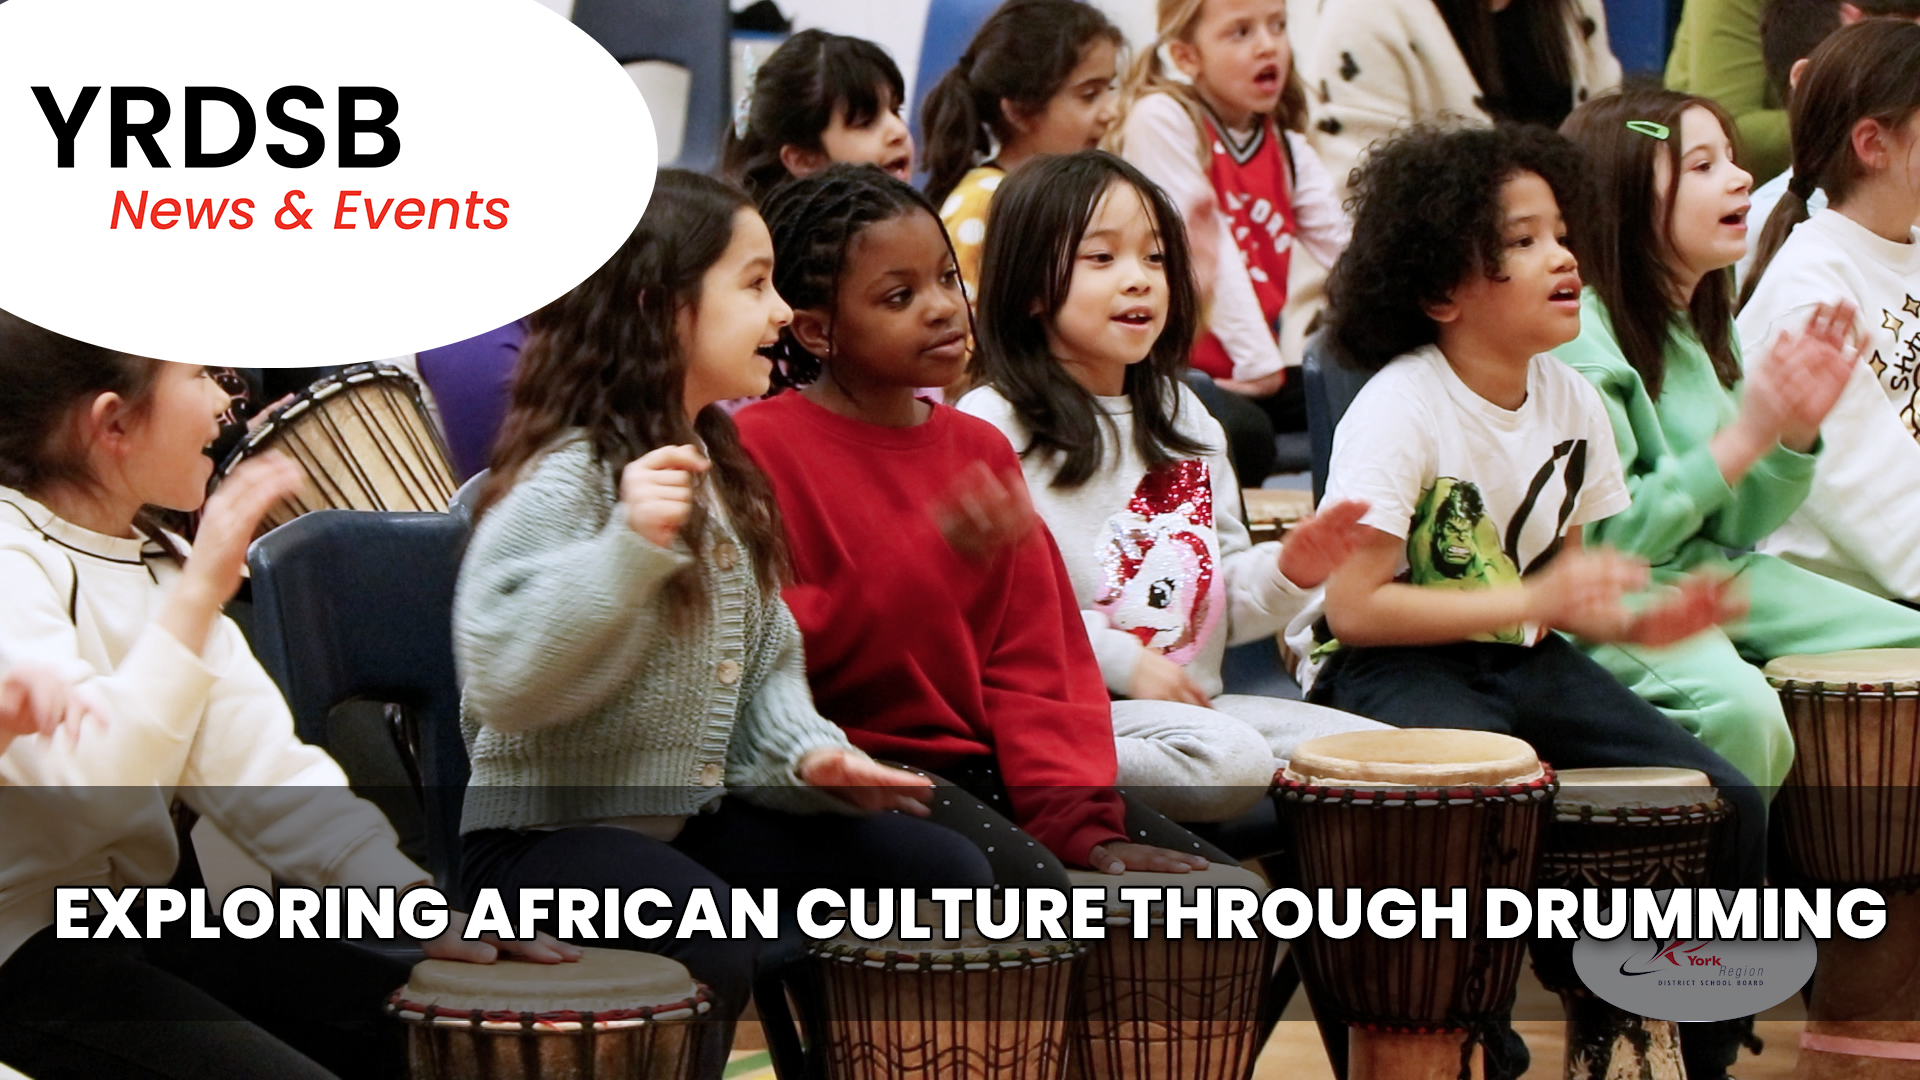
1709	685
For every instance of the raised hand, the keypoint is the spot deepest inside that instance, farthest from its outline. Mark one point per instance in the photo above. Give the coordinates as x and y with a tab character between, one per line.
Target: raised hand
231	518
1320	542
982	513
657	491
1122	857
865	783
1794	388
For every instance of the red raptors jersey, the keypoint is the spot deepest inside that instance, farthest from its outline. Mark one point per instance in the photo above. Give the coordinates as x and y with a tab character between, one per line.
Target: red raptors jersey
1252	187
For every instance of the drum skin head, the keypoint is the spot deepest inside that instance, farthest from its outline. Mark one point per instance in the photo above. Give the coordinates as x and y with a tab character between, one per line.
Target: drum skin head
1414	757
1633	789
1876	667
603	980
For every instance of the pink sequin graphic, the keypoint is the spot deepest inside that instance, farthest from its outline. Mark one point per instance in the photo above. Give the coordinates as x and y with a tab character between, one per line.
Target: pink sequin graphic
1157	562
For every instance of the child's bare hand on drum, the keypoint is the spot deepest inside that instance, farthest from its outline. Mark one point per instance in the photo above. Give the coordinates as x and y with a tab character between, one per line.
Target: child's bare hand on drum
1156	678
983	513
657	491
1701	601
485	949
865	783
1123	856
268	413
1321	541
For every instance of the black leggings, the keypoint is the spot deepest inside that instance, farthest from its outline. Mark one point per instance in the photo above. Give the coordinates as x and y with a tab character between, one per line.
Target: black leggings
200	1009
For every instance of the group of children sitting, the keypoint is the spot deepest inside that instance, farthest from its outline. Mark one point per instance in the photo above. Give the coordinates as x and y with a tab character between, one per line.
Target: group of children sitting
852	635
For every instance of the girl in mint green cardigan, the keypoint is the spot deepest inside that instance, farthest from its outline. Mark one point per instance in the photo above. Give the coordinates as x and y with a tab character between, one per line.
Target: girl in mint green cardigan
1716	458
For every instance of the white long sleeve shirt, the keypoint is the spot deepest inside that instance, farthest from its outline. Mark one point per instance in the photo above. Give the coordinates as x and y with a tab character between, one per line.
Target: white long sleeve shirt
1861	521
1159	559
209	728
1162	141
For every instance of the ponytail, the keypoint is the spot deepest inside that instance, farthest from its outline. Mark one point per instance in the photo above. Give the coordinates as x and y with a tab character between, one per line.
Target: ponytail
955	136
1861	72
1176	20
1022	55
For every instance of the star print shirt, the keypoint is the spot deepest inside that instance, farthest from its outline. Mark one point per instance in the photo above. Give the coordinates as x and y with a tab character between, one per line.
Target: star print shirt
1159	558
1860	522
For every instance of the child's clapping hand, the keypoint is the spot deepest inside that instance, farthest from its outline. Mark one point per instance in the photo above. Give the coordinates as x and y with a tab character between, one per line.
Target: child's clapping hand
35	700
1317	546
1583	592
983	513
657	491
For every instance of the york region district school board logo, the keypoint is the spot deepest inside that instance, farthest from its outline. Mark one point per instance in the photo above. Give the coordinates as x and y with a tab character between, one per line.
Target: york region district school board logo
1690	979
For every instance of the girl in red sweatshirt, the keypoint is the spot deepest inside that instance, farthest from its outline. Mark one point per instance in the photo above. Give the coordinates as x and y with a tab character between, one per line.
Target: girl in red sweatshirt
940	628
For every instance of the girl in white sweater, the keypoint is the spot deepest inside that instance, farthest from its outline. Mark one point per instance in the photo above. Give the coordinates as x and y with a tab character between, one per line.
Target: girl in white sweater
104	601
1125	467
1856	136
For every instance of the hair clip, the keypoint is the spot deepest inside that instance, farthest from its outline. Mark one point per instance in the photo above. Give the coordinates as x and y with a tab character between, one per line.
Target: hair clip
1649	129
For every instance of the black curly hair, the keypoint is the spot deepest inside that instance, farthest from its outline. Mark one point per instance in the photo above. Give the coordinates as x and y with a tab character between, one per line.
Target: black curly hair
813	220
1427	214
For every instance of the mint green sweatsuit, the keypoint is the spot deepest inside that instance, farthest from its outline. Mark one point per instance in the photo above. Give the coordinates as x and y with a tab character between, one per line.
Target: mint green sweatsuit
1685	517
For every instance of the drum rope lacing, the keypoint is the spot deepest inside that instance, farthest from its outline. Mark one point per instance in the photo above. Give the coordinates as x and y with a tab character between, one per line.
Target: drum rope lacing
1474	984
1838	819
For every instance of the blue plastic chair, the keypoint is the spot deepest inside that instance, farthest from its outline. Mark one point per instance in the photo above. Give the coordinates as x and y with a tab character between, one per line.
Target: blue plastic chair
1331	387
691	34
358	605
951	25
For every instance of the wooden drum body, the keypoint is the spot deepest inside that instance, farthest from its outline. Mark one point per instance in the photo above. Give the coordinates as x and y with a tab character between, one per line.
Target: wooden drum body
613	1015
1623	829
971	1009
1169	1009
1414	809
1850	811
365	441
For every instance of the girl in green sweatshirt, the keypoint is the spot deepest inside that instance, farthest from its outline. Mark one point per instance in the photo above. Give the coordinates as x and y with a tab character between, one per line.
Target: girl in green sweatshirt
1716	458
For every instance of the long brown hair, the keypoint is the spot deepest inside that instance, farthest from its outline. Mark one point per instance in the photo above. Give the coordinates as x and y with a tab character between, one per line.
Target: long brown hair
606	359
1627	239
46	382
1176	20
1867	71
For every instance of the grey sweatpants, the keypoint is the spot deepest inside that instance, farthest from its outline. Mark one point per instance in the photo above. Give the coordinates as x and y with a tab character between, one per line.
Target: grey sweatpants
1195	764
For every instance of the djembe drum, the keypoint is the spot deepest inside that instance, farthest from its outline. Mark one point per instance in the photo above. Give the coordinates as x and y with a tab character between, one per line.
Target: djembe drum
612	1015
1623	829
1414	809
1165	1008
938	1009
365	441
1850	813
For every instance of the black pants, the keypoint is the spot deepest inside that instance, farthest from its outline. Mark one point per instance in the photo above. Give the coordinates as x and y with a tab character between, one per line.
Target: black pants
1576	716
190	1009
1573	713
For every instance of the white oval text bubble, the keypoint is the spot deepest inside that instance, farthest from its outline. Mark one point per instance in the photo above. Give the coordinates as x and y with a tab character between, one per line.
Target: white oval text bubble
527	147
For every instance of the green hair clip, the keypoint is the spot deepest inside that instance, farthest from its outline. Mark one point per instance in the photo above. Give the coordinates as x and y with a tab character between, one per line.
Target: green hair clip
1649	129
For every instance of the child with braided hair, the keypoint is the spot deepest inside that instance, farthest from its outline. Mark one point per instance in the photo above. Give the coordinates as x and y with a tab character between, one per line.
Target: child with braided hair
940	625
